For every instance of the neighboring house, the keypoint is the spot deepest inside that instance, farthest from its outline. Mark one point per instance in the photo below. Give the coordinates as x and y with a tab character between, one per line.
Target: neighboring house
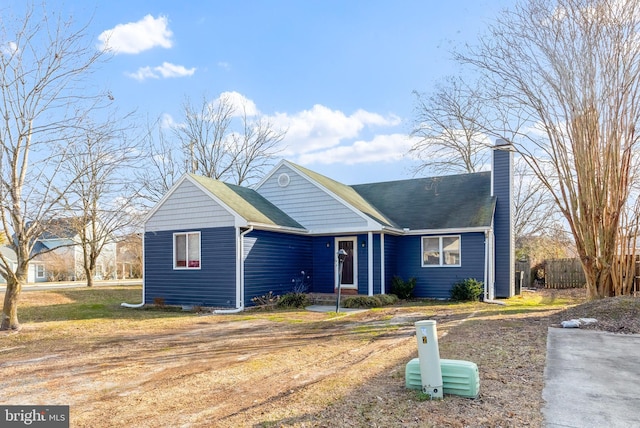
34	269
129	257
215	244
62	257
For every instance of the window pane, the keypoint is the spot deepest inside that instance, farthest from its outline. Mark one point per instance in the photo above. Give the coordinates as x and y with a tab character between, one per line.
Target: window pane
194	250
451	250
431	251
181	250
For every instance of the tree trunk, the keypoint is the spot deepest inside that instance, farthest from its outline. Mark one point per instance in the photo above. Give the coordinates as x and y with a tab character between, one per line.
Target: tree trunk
10	308
89	276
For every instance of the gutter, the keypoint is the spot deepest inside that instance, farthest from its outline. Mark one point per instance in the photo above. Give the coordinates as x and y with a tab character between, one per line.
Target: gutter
240	276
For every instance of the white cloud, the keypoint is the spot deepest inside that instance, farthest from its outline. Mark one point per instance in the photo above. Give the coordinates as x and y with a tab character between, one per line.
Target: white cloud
321	128
165	71
241	104
382	148
136	37
9	48
321	135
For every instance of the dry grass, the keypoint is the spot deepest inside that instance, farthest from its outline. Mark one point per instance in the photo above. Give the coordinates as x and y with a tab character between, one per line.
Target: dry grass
122	367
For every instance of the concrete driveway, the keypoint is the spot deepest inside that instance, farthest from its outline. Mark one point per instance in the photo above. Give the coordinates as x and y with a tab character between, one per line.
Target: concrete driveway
592	379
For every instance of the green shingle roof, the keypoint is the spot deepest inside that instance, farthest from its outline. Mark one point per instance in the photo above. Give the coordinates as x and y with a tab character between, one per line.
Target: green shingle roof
446	202
247	203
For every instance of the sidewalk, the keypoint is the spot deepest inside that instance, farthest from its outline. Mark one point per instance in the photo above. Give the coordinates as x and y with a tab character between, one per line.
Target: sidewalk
592	379
74	284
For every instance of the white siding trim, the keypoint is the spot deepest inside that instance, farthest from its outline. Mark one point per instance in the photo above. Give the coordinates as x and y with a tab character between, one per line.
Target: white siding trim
370	261
383	287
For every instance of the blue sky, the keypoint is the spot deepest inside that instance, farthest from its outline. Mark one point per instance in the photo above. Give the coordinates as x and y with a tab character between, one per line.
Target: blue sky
338	75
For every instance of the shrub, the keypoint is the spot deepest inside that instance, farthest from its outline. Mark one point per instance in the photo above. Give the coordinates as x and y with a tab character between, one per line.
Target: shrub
293	300
387	299
403	289
466	290
376	301
362	302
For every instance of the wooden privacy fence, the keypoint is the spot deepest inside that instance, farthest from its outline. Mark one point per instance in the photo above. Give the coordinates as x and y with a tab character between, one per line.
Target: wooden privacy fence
563	273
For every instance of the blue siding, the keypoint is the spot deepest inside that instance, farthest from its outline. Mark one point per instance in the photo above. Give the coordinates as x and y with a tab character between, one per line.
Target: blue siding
390	260
435	282
503	230
323	264
212	285
273	260
377	285
363	272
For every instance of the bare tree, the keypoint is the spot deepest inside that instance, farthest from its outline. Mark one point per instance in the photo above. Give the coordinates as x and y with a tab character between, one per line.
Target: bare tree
573	68
164	164
220	139
448	128
254	148
451	126
204	137
101	198
44	98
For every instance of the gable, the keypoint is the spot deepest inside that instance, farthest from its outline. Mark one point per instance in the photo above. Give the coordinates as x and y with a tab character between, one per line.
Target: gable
306	202
188	207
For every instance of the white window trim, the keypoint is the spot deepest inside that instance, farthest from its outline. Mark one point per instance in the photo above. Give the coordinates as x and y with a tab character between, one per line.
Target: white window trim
441	265
43	274
173	243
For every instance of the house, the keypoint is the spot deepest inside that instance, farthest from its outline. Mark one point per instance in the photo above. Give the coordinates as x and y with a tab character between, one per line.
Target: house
215	244
60	256
33	269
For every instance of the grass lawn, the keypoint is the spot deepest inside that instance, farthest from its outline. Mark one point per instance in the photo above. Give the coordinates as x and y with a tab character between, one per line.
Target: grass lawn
118	366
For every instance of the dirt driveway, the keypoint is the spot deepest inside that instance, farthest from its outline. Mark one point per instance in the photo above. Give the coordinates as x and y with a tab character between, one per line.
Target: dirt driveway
282	369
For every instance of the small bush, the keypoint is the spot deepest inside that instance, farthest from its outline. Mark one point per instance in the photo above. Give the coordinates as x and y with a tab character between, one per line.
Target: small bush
387	299
466	290
294	300
403	289
362	302
159	302
376	301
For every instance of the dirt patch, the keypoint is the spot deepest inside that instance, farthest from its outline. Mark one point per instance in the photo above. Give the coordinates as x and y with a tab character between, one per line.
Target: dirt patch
283	369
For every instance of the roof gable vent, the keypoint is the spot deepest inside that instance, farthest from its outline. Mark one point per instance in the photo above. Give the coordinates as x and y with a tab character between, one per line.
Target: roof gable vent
284	180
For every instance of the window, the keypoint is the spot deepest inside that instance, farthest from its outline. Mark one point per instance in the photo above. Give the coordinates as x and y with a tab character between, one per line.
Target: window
186	250
441	251
40	271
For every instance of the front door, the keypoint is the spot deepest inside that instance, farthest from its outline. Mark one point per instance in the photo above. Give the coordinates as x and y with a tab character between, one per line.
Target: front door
350	265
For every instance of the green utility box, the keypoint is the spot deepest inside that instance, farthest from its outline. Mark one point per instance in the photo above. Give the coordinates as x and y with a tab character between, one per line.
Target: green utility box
458	377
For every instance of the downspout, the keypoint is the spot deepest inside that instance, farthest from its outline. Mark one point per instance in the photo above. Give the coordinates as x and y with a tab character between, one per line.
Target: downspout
370	262
239	276
138	305
490	274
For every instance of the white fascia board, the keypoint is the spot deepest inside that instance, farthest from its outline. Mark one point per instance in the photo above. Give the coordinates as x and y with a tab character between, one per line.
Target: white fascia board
371	224
275	228
446	231
344	231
